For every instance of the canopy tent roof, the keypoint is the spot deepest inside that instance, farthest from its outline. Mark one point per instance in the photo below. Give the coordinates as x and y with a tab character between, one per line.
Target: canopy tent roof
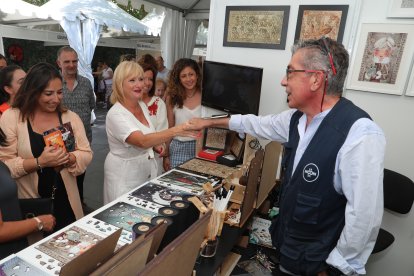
17	10
194	8
101	11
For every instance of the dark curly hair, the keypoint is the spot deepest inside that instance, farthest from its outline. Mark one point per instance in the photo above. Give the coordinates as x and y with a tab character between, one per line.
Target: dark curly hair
176	90
35	82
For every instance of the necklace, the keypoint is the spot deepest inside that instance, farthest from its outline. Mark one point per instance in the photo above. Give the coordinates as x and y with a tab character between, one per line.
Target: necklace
189	97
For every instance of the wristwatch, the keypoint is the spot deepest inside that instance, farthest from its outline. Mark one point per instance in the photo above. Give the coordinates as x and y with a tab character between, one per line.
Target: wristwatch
39	223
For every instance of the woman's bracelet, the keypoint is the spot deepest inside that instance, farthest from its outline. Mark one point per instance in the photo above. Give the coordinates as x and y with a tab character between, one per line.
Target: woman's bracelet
38	165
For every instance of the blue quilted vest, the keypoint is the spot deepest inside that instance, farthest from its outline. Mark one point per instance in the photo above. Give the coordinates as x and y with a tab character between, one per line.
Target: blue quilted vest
312	213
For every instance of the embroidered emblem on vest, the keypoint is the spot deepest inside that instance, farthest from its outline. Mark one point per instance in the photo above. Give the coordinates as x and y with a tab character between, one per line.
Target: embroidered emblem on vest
310	172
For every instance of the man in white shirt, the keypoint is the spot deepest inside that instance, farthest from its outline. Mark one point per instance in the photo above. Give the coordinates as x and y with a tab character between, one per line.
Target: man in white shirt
331	202
162	70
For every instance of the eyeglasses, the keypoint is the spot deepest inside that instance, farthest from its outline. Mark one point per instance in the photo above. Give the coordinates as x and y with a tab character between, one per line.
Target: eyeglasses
288	71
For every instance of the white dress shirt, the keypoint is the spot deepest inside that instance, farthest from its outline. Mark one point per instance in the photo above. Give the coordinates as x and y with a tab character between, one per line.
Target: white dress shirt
358	176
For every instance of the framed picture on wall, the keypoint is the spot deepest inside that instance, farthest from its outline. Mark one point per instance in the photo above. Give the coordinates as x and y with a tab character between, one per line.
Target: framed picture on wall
256	26
315	21
410	88
401	8
381	58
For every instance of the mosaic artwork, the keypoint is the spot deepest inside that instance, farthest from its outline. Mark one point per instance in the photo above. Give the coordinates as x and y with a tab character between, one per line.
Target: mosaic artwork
124	215
69	244
158	194
18	267
209	168
181	180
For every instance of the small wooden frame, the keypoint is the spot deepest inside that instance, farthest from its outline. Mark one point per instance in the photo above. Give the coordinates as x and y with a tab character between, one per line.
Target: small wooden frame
215	138
237	147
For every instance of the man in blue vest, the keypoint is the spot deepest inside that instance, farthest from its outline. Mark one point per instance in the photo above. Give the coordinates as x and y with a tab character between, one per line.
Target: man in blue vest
331	200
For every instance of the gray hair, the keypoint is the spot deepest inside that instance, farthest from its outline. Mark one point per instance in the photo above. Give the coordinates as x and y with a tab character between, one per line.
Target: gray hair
65	49
317	58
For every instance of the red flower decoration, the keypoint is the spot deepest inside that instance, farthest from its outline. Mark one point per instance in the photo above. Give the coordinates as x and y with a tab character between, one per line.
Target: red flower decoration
153	108
15	53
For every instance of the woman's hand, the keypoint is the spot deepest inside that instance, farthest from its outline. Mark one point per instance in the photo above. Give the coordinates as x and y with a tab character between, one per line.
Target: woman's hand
166	163
71	161
48	221
187	130
161	150
197	124
53	157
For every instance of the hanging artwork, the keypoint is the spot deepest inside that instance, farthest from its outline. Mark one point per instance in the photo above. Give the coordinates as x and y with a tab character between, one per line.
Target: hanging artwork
382	58
401	8
315	21
256	26
410	88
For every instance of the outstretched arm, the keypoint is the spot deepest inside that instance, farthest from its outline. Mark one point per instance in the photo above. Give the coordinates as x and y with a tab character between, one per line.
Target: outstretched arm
12	230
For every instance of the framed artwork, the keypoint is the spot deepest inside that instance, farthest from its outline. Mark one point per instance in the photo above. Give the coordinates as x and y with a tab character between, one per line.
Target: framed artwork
381	58
215	138
237	147
410	88
315	21
401	8
256	26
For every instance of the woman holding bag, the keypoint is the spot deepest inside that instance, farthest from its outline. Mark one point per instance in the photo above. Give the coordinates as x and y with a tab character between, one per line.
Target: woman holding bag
39	170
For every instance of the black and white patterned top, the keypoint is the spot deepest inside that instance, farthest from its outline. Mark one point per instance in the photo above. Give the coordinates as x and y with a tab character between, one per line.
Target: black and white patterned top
81	101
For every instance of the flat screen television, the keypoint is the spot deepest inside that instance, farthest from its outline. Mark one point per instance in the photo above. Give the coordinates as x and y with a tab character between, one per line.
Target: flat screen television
231	88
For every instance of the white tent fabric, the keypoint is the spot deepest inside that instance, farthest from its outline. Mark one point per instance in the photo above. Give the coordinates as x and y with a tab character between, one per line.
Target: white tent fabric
172	37
102	11
178	37
191	27
84	42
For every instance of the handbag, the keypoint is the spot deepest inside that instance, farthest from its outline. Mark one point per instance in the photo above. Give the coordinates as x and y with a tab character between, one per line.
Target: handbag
33	207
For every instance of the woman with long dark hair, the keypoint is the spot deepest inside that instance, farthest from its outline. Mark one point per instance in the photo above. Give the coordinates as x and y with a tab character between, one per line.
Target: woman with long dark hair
183	104
40	170
11	78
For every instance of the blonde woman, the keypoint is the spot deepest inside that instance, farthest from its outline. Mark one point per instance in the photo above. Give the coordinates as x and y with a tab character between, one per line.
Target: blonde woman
131	134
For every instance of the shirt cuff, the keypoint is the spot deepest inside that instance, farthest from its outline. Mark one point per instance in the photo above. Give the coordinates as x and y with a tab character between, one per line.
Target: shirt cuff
335	259
235	123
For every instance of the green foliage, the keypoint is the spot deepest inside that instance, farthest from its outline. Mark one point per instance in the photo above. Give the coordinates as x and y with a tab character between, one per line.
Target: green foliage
36	2
137	13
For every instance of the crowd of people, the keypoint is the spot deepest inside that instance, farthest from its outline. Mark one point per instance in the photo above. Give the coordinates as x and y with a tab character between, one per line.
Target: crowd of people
331	198
51	96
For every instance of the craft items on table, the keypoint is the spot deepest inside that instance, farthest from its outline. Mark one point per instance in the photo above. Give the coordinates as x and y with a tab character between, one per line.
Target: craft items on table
221	198
55	251
187	182
119	215
157	193
14	265
207	168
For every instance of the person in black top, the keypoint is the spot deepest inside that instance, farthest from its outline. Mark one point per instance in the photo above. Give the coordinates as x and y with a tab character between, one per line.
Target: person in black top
13	230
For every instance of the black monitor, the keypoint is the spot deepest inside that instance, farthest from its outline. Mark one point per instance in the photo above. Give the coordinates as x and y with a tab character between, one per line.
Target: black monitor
231	88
